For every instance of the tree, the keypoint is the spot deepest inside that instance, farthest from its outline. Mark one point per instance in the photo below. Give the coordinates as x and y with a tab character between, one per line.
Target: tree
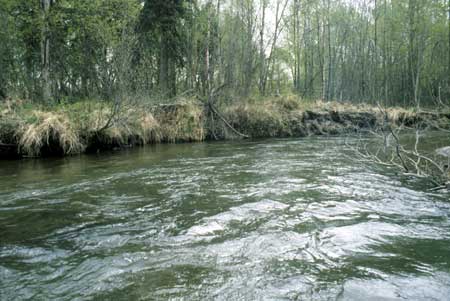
45	51
262	55
360	51
448	58
161	18
6	46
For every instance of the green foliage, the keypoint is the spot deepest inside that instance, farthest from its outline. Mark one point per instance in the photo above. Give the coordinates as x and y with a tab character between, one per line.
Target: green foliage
393	51
162	19
84	38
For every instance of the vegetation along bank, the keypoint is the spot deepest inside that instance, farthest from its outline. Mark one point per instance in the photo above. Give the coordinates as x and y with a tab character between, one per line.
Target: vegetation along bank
68	129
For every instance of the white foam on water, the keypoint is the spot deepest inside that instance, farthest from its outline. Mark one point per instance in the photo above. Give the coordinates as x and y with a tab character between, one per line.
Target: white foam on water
213	224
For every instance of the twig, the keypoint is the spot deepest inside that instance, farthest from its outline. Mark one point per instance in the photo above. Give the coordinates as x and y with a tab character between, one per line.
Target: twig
211	106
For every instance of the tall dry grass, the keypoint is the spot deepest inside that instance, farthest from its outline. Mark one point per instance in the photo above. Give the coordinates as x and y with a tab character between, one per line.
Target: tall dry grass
258	119
127	127
49	130
182	122
73	128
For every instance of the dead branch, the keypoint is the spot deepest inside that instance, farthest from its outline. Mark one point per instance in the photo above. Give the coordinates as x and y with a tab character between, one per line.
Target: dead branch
410	160
211	106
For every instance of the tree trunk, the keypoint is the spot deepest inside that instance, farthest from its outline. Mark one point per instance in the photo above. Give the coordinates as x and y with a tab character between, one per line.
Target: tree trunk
249	53
320	52
412	47
45	52
172	84
207	55
262	58
217	46
329	77
385	83
297	43
375	93
166	69
448	62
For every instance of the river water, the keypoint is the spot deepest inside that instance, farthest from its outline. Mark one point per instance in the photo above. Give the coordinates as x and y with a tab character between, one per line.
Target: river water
253	220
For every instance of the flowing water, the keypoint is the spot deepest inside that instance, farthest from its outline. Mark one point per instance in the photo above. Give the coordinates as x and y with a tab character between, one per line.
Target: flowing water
255	220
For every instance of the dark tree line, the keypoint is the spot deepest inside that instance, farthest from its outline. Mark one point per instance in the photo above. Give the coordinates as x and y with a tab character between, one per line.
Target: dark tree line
390	51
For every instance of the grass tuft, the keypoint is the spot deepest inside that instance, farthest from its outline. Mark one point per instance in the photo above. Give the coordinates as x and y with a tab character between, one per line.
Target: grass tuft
148	129
181	122
71	128
264	119
50	131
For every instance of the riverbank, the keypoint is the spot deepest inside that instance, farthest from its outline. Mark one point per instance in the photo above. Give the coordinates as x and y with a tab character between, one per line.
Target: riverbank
29	131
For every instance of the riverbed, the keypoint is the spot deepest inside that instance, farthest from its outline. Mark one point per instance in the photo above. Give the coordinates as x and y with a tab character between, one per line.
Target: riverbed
281	219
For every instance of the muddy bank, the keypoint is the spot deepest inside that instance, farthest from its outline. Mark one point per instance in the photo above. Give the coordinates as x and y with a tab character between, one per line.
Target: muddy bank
93	128
284	119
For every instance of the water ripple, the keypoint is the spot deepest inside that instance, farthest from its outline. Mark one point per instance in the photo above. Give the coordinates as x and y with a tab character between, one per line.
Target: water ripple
254	220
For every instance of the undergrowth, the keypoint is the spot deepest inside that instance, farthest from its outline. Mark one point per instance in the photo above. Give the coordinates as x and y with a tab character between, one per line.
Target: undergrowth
73	128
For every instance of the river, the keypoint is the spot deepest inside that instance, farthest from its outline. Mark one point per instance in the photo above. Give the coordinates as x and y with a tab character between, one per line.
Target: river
283	219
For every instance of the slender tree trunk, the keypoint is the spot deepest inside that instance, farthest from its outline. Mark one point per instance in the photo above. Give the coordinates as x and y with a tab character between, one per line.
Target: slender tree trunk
167	70
448	62
190	78
164	66
412	47
172	84
329	79
207	54
249	52
86	68
306	54
45	52
321	55
278	29
375	93
297	45
294	26
385	83
218	46
262	56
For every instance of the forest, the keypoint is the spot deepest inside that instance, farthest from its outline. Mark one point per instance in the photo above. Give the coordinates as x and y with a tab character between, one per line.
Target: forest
396	52
81	76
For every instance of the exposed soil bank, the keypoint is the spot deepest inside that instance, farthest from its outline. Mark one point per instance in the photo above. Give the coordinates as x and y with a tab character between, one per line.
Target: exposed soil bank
90	127
339	122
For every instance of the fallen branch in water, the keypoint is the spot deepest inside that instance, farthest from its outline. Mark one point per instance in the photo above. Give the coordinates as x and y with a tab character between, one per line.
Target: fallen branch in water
409	159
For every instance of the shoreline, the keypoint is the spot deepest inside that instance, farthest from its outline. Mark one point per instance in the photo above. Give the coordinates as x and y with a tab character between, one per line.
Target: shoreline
89	128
